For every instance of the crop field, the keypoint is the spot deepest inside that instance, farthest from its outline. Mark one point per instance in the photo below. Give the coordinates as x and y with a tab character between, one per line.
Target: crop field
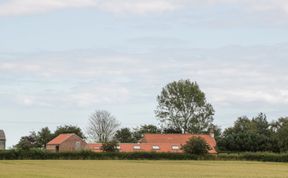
141	169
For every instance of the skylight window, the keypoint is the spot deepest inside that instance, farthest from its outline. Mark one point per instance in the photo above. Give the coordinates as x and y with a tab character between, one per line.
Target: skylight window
175	147
155	147
136	147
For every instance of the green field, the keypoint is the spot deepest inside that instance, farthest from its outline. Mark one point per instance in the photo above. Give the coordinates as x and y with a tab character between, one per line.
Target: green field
151	169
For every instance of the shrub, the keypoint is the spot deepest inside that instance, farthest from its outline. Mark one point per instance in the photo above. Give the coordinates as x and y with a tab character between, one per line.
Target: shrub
196	146
110	146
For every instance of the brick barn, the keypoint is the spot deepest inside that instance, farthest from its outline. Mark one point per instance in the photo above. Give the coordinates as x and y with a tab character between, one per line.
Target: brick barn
66	143
2	140
150	143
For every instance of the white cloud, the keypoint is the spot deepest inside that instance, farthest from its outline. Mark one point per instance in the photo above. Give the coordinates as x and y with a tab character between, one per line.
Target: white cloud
79	98
8	66
25	7
229	76
230	97
139	6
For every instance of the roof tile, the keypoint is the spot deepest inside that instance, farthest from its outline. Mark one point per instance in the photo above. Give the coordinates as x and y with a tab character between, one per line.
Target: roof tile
60	139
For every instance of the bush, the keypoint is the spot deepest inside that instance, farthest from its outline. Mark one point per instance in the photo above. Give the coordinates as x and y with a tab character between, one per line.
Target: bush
110	146
197	146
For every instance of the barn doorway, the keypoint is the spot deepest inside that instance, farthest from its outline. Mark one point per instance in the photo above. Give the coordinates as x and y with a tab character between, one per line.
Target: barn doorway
57	148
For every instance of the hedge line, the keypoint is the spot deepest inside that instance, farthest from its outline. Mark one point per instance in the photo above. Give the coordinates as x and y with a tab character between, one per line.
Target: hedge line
87	155
259	156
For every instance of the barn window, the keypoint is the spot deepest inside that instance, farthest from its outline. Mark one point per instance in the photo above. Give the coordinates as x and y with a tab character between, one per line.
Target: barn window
136	147
155	147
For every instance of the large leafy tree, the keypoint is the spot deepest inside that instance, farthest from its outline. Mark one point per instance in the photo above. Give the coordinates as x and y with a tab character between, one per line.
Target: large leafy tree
102	126
182	105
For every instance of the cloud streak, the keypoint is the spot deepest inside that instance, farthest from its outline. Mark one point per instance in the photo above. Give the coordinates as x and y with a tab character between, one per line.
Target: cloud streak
27	7
228	75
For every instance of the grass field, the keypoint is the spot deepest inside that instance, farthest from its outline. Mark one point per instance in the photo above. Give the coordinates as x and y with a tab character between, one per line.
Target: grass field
141	169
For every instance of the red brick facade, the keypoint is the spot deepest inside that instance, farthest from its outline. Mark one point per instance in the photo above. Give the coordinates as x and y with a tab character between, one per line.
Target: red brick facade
66	143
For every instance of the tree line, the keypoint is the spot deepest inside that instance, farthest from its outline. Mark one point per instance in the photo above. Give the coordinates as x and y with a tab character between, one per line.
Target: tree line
255	135
43	136
182	108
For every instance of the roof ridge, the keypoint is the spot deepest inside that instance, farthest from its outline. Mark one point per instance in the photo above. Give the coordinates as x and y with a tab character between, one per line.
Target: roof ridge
70	134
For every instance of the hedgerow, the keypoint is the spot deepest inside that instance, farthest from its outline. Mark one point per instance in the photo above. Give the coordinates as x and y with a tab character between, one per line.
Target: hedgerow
88	155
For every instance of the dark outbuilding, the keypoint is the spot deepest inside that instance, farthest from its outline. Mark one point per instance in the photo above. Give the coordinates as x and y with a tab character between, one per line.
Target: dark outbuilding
2	140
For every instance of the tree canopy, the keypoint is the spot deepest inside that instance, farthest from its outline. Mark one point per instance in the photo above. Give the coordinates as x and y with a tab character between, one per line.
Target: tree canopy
282	134
255	134
145	129
44	136
69	129
183	106
28	142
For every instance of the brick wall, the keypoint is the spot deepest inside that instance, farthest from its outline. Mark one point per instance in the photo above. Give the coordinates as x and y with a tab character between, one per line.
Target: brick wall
72	144
2	144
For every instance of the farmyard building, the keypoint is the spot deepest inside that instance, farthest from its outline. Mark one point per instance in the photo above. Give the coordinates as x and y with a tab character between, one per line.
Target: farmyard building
2	140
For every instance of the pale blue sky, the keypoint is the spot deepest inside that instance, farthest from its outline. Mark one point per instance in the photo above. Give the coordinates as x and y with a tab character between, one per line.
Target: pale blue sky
62	59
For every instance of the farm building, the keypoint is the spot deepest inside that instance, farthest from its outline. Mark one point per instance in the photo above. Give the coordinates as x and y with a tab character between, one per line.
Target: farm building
150	143
2	140
66	143
159	143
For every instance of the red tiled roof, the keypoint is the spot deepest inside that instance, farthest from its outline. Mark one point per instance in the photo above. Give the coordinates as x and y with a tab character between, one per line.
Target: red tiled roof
175	138
60	139
178	139
165	142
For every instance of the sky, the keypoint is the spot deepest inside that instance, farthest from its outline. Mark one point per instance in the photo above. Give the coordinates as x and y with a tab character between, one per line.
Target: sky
60	60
